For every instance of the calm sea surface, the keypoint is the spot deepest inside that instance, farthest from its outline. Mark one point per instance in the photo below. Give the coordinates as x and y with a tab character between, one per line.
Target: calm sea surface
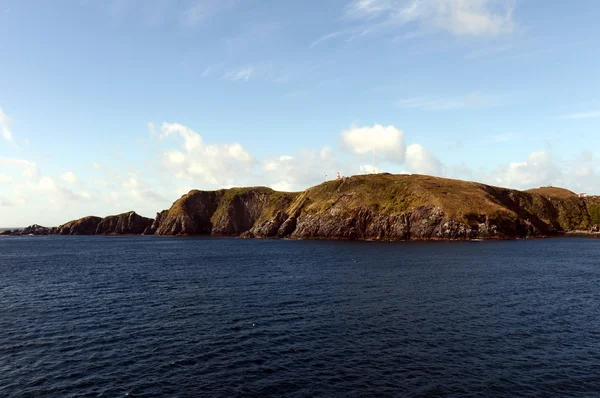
150	316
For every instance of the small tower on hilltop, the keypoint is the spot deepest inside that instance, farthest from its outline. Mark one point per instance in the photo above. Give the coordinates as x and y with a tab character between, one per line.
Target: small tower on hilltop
373	169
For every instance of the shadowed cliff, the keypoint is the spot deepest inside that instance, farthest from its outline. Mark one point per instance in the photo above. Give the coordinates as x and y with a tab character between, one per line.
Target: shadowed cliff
122	224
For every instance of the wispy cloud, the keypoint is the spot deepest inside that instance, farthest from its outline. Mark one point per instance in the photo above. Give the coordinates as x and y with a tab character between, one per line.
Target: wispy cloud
492	50
457	17
582	115
442	103
201	10
242	74
263	72
4	131
207	71
327	37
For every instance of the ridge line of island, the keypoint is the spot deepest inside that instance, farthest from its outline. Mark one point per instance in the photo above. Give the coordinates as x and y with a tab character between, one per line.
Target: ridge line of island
382	206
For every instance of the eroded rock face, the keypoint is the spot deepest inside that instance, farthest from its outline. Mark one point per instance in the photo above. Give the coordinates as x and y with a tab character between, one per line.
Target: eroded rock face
421	223
83	226
225	213
240	213
31	230
190	215
124	224
151	230
376	207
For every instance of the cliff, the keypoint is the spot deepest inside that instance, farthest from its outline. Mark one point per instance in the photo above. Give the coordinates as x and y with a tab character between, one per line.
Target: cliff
381	207
83	226
31	230
123	224
229	212
369	207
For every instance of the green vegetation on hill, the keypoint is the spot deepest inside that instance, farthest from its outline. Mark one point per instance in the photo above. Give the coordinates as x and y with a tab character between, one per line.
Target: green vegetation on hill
593	207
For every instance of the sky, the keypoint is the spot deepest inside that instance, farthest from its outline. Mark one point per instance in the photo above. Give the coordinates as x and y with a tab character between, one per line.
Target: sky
109	106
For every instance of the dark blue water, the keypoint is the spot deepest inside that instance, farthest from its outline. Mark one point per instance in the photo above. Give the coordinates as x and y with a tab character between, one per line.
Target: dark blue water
149	316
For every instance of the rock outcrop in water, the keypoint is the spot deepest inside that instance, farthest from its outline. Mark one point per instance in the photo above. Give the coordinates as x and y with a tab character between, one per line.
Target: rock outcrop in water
31	230
369	207
123	224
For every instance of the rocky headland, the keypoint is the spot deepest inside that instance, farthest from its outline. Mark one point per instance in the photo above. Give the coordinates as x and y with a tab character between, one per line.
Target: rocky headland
366	207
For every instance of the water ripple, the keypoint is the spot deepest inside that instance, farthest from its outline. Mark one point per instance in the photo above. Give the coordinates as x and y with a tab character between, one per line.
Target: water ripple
149	316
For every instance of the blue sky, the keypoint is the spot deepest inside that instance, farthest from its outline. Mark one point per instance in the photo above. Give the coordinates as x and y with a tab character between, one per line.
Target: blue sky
108	106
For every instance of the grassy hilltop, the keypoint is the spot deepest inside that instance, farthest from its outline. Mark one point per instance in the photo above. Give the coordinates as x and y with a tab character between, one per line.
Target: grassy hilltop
382	206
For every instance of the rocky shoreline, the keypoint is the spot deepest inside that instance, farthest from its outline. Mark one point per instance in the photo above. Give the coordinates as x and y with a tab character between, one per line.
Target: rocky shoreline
376	207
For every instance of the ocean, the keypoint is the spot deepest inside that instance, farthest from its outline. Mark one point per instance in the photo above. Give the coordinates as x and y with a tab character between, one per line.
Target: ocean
191	317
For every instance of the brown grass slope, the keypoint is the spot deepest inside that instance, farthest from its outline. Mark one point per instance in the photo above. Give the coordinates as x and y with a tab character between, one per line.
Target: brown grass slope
382	206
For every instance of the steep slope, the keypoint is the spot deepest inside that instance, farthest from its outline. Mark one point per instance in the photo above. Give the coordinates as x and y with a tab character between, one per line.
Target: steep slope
129	223
593	207
226	212
82	226
124	224
383	206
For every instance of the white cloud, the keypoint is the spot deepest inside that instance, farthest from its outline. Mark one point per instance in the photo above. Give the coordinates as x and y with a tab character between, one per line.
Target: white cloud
56	192
306	168
369	169
69	177
539	169
419	160
192	140
36	195
28	169
244	74
138	190
5	202
5	179
387	142
213	164
4	131
457	17
583	115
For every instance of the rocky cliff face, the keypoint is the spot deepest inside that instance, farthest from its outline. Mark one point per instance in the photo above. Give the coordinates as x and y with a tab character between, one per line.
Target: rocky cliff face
122	224
31	230
190	215
83	226
374	207
226	212
382	207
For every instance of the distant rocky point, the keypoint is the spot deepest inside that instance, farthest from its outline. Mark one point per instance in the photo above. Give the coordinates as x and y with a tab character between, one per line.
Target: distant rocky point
366	207
31	230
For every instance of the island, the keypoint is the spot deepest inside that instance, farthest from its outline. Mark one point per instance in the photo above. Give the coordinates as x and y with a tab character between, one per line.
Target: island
384	207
